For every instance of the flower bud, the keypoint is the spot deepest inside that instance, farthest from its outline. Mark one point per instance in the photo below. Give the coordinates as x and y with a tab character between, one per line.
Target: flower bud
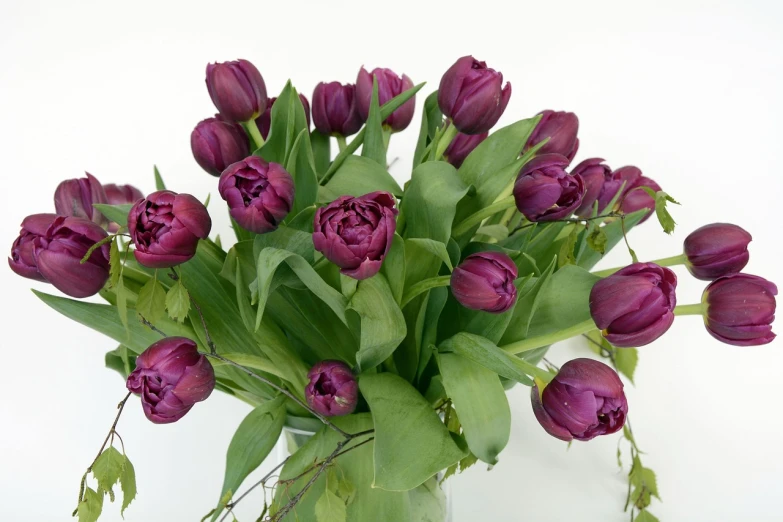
171	376
634	306
625	178
544	191
716	250
259	194
389	86
740	309
356	233
472	95
75	197
637	198
335	109
594	173
332	390
461	146
165	228
584	400
561	128
22	260
264	122
485	281
216	144
237	90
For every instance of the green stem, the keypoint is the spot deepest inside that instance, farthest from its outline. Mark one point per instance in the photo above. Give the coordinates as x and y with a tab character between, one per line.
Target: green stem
691	309
679	259
255	134
341	143
449	133
483	214
423	286
532	343
386	132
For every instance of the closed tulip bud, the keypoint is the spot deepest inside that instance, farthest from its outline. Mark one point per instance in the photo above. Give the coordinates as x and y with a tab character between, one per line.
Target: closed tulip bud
218	143
634	306
584	400
75	197
461	146
335	109
264	122
332	390
544	191
259	194
171	376
356	233
637	198
472	95
594	173
237	90
740	309
22	260
485	281
389	86
121	195
165	228
561	128
716	250
625	178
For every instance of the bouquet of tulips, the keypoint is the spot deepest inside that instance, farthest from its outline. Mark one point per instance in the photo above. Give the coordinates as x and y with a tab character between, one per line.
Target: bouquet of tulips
385	321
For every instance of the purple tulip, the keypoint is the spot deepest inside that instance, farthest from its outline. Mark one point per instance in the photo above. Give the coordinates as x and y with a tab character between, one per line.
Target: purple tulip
544	191
22	260
259	194
216	144
264	122
332	390
740	309
165	228
472	95
389	86
75	197
485	281
594	173
461	146
335	111
561	128
636	198
583	401
716	250
634	306
171	376
237	90
625	178
356	233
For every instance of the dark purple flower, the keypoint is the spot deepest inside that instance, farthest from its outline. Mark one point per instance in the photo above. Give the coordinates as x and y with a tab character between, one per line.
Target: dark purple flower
356	233
716	250
237	90
22	260
335	110
389	86
461	146
121	195
75	197
485	281
259	194
216	144
625	178
171	376
740	309
332	390
634	306
165	228
544	191
584	400
264	122
594	173
636	198
472	95
561	128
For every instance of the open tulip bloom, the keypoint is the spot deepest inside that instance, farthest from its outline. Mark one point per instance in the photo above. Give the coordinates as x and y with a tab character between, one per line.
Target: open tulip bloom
384	320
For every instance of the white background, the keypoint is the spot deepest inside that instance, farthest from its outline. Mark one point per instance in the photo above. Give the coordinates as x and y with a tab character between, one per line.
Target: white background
688	91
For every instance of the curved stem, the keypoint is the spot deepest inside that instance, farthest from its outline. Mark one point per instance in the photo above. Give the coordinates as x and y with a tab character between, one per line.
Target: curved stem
679	259
255	134
449	133
423	286
341	143
691	309
483	214
545	340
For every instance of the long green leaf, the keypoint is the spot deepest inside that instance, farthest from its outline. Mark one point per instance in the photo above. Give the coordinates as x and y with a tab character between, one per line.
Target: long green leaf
374	148
115	213
430	201
486	353
382	323
359	176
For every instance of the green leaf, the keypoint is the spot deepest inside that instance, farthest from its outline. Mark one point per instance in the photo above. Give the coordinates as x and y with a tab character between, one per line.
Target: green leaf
151	304
121	294
107	469
411	443
127	484
481	401
330	508
496	232
358	176
159	185
121	360
416	289
287	120
625	360
90	508
285	238
301	166
646	516
566	255
642	477
373	147
434	247
382	324
322	154
431	119
247	360
529	298
430	201
487	354
428	502
664	217
115	263
178	302
597	240
394	267
116	213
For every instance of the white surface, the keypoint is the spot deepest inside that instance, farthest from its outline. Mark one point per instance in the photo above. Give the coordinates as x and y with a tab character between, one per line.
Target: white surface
688	90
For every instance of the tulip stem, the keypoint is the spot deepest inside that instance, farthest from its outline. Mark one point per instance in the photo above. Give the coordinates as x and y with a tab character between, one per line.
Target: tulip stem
255	134
481	215
679	259
449	133
341	143
691	309
532	343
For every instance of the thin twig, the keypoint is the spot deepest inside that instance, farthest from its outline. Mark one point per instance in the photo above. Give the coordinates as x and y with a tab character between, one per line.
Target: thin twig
568	220
151	326
315	465
262	482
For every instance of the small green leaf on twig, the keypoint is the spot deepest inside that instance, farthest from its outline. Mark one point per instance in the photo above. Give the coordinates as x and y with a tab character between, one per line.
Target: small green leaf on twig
566	255
90	507
597	240
151	304
178	302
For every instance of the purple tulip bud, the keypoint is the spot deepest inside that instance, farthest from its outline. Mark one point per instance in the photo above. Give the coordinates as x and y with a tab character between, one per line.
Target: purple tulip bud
561	128
22	260
637	198
75	197
216	144
634	306
583	401
335	109
171	376
485	281
332	390
625	178
165	228
472	95
594	173
389	86
259	194
461	146
716	250
740	309
356	233
264	122
237	90
544	191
